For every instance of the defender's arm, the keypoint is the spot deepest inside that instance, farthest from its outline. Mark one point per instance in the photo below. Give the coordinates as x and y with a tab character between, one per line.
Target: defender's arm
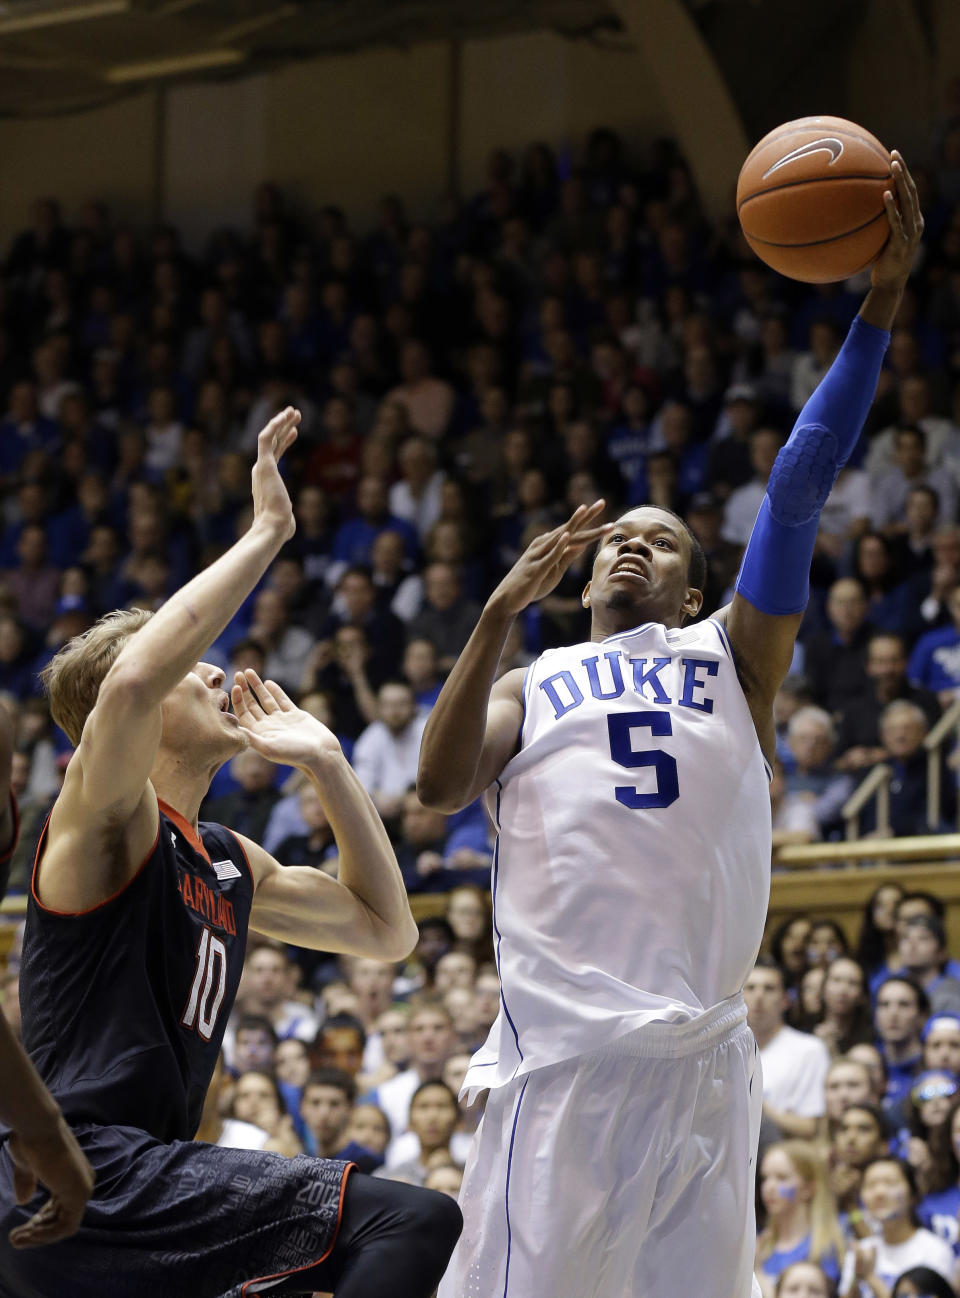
107	813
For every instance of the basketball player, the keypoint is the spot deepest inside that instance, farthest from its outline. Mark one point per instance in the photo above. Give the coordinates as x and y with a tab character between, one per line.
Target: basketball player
136	927
627	777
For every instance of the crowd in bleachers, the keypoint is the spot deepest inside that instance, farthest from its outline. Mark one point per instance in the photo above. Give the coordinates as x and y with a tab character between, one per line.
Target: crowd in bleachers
568	332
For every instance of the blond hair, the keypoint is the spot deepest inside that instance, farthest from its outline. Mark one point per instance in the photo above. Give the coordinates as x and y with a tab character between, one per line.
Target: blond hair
73	677
825	1233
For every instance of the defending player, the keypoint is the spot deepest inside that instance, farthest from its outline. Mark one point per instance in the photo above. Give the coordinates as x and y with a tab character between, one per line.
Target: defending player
134	945
631	876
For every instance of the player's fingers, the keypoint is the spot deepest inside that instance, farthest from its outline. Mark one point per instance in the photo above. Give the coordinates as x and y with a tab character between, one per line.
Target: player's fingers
555	554
903	190
49	1224
893	214
249	703
287	439
913	198
269	433
590	512
263	697
277	696
583	539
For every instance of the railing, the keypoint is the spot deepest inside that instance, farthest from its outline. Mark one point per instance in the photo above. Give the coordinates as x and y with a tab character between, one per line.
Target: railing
948	723
876	784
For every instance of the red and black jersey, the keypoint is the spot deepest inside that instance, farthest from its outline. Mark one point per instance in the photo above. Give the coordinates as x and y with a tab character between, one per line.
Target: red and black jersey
124	1005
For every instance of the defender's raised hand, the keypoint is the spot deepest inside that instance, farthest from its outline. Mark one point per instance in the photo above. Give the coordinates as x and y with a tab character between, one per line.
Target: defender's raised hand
275	726
271	500
545	559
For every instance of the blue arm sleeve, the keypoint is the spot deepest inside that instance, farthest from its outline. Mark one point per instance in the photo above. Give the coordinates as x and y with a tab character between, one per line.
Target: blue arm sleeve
775	573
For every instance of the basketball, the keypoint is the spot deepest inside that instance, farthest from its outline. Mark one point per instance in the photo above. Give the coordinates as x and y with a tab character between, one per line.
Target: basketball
810	199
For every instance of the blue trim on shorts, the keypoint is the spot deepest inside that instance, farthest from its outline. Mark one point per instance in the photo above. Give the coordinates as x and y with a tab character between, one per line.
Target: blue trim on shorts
513	1136
496	878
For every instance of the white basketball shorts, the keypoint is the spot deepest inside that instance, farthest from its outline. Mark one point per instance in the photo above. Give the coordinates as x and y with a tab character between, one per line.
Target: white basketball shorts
624	1173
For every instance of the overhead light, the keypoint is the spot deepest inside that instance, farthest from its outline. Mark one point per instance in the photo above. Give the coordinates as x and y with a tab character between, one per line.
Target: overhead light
175	66
67	14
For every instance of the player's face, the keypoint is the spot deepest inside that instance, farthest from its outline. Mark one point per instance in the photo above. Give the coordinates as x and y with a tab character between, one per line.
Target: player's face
197	711
641	572
846	1084
804	1280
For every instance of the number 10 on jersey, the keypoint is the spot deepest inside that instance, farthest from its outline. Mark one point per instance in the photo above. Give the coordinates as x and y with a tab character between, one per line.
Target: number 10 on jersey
209	986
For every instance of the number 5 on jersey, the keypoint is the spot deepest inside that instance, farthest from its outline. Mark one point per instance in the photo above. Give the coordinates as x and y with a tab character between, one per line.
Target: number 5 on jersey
209	986
620	725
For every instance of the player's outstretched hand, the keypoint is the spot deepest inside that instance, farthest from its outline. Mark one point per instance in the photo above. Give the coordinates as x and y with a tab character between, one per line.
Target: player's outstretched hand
271	501
546	558
57	1162
275	726
893	266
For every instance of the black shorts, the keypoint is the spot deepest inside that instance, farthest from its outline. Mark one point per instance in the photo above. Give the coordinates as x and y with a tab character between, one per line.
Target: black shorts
181	1219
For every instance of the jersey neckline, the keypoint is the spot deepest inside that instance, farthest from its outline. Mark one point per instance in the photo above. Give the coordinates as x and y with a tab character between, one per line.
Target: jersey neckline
617	635
186	829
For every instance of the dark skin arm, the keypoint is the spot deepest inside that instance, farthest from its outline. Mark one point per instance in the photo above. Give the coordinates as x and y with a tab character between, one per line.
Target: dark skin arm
42	1148
763	643
474	725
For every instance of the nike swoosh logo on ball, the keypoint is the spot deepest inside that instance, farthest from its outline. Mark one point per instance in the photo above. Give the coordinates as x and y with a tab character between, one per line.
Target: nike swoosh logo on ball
827	145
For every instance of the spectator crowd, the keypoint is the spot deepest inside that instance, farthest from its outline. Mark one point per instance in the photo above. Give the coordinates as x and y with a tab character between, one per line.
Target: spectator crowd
565	333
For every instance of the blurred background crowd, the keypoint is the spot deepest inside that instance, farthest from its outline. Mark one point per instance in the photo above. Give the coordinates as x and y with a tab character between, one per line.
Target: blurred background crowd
575	329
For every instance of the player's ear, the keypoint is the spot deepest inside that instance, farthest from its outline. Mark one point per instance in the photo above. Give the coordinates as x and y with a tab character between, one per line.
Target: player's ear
692	604
585	597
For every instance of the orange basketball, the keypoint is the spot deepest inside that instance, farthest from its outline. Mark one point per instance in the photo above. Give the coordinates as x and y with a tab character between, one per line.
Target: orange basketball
810	199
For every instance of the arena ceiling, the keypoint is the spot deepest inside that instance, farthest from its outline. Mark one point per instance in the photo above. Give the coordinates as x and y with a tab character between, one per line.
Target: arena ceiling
61	56
64	55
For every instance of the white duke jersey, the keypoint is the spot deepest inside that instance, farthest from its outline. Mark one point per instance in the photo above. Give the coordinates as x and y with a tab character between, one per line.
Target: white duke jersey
632	868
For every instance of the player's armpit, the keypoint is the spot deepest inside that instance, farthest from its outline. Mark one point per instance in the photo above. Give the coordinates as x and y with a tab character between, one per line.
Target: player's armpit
305	907
763	645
